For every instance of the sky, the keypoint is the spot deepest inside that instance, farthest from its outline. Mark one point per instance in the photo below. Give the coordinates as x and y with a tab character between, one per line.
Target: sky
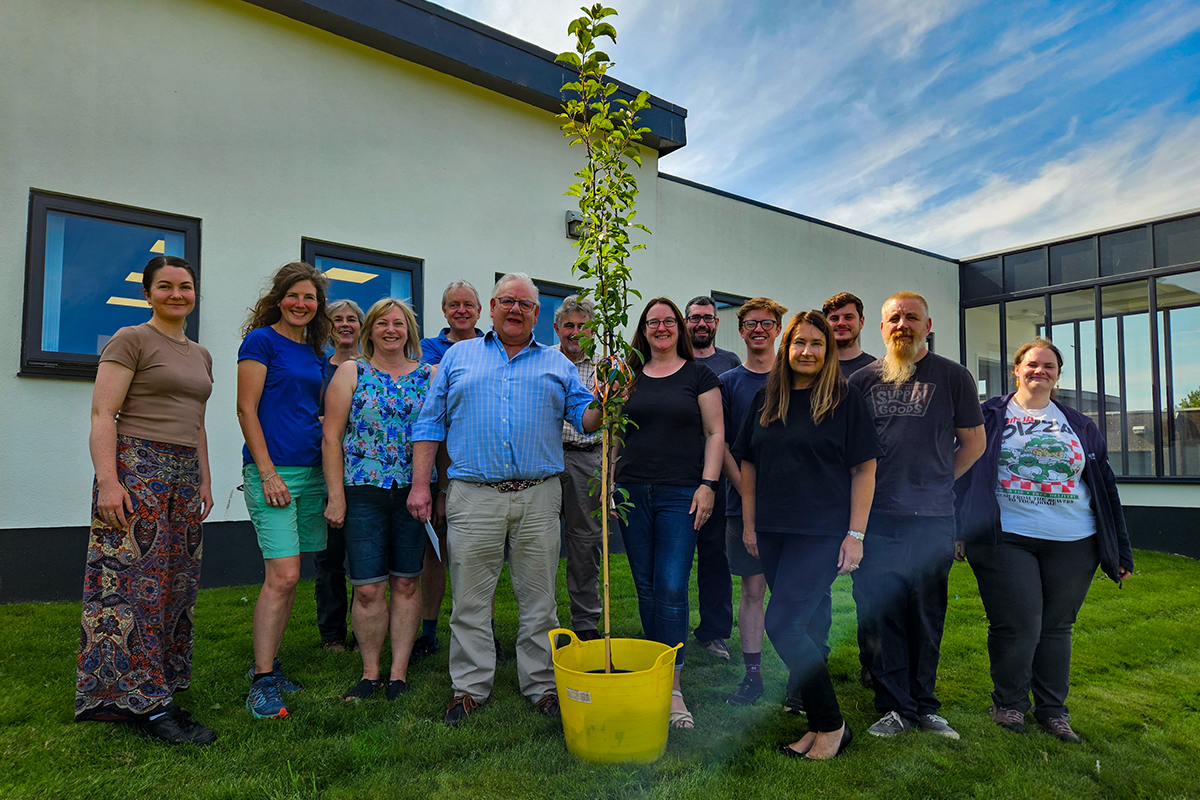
955	126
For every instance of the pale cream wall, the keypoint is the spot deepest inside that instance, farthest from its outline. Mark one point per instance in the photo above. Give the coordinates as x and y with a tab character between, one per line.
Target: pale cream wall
268	131
708	242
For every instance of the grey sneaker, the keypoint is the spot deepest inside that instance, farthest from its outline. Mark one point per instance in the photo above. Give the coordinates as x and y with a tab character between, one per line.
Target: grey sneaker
935	724
1007	718
1060	727
890	724
717	648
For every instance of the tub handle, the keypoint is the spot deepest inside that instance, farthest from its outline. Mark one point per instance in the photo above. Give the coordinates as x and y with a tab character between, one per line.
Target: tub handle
554	634
658	662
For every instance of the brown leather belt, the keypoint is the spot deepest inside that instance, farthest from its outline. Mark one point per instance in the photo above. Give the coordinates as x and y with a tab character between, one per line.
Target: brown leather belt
580	448
515	485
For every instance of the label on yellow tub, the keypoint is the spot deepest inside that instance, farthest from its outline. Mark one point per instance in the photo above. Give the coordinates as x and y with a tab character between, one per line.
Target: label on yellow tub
578	696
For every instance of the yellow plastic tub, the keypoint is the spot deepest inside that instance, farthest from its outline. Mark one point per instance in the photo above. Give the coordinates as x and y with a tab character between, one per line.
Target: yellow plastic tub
620	716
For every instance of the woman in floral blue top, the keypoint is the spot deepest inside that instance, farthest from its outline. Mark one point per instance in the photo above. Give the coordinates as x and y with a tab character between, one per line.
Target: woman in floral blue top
370	408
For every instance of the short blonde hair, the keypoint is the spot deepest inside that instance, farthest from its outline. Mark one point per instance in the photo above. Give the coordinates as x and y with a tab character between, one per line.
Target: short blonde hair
412	345
908	296
772	307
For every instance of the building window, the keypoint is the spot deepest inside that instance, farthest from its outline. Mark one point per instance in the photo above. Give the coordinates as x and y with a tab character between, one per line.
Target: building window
1131	348
1025	270
83	278
728	337
365	276
980	279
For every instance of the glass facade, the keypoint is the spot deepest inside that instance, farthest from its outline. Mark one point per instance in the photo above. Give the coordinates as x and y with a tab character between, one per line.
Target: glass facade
1128	325
365	276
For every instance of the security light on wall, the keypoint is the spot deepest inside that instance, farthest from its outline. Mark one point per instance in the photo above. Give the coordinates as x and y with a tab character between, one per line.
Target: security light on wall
574	225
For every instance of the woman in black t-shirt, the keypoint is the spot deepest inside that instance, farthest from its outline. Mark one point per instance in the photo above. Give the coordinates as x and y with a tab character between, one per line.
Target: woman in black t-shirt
669	464
810	435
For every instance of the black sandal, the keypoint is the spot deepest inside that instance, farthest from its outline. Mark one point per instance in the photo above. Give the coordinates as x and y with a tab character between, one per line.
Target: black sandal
362	690
395	689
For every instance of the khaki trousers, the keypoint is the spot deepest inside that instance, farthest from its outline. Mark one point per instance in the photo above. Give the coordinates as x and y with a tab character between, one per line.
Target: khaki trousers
583	534
479	521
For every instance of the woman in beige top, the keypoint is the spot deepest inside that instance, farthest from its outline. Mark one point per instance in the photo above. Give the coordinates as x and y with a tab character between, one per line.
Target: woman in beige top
152	491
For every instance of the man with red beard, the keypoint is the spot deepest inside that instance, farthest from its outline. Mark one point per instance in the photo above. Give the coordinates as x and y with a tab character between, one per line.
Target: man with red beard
928	419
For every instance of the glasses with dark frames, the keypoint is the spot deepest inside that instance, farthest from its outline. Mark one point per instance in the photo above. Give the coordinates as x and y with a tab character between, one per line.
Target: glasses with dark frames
767	325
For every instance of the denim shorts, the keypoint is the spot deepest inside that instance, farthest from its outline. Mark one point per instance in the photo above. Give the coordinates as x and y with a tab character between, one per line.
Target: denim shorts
298	527
382	538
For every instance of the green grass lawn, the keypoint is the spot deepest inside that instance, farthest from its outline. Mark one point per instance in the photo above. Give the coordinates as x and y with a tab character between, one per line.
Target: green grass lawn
1135	696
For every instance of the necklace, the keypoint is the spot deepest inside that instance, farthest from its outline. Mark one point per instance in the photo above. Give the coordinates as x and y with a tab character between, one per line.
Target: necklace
175	343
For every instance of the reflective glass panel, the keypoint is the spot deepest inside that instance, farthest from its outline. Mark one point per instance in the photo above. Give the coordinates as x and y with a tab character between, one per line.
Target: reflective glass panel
364	283
1025	270
1073	331
980	279
1179	360
1128	251
984	359
1073	261
1177	242
93	274
1128	398
1023	320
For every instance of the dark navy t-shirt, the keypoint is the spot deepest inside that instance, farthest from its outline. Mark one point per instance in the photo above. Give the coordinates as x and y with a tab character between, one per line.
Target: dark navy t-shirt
290	407
738	387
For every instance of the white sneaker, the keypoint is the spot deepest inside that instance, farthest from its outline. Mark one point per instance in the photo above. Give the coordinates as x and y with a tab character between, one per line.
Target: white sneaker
890	724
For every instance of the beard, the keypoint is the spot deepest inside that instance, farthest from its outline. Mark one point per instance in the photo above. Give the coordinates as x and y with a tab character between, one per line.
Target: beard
844	345
898	365
702	340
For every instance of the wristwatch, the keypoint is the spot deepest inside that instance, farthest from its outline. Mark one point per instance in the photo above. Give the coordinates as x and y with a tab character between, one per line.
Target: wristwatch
856	535
709	483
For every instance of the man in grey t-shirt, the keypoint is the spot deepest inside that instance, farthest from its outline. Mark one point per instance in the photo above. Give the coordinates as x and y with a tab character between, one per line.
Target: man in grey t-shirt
927	415
714	586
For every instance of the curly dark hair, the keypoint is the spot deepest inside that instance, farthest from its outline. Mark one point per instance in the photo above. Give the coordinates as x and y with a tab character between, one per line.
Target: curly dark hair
266	311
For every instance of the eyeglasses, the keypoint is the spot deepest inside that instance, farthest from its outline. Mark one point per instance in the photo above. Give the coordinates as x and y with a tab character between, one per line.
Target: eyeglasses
767	325
508	302
697	318
655	324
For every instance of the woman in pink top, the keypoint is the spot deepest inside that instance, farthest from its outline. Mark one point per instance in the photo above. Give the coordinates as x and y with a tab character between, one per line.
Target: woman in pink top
152	491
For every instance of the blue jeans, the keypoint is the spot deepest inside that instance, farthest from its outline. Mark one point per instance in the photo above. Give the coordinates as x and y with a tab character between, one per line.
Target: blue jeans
382	538
661	542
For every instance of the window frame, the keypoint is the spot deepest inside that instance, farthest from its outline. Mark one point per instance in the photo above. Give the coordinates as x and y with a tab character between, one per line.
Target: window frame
1158	371
312	249
38	363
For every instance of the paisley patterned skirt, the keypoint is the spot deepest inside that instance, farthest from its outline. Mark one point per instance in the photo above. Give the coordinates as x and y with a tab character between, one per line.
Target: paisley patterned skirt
139	588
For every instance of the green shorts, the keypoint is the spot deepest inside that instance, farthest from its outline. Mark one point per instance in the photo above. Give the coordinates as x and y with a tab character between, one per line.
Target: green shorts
298	527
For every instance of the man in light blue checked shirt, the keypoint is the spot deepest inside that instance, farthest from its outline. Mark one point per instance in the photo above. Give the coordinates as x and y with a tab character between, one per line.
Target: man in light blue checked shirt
499	402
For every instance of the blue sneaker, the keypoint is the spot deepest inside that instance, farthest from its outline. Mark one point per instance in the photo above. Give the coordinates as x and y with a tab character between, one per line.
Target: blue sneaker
283	682
264	701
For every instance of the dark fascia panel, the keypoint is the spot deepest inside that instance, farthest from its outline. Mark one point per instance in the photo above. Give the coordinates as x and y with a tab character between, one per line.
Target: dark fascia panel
450	43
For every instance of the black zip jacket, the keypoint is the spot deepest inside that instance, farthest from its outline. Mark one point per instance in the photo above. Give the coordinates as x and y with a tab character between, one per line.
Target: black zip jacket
979	511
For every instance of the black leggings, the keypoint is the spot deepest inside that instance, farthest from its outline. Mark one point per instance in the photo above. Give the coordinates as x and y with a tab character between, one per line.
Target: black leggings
1032	590
799	570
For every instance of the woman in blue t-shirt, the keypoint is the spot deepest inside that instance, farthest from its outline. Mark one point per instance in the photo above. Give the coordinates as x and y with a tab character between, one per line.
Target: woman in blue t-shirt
281	370
669	465
809	434
370	409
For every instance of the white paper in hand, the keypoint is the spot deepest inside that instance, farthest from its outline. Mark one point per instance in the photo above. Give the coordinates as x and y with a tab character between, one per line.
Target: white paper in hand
433	538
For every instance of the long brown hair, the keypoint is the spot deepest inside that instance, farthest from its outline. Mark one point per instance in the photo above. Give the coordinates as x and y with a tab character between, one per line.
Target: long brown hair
641	344
828	390
267	312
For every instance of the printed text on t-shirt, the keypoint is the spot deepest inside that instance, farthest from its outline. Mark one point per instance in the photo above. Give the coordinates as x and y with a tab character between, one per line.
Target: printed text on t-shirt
903	400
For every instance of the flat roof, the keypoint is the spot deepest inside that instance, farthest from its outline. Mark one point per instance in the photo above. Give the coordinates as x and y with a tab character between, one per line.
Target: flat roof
1083	235
702	187
450	43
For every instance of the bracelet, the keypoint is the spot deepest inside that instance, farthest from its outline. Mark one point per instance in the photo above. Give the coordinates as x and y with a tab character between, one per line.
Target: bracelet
269	478
856	534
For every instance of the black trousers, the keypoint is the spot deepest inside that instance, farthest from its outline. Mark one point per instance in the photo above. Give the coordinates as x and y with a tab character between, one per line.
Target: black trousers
1032	590
714	586
330	567
903	580
799	571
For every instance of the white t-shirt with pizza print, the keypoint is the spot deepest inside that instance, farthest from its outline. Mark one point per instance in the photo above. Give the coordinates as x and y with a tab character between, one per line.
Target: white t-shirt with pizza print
1039	482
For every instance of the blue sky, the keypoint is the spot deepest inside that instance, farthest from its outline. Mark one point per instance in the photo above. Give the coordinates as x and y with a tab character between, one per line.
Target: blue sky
960	127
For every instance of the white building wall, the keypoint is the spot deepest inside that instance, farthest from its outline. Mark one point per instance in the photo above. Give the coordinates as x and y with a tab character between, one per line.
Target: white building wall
718	243
268	131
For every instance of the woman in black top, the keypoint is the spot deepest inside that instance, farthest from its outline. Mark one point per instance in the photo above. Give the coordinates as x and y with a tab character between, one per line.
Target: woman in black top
810	436
669	464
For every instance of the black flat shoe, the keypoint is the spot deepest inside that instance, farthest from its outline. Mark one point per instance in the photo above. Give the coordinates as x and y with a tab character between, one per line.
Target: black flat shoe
847	736
786	749
362	690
